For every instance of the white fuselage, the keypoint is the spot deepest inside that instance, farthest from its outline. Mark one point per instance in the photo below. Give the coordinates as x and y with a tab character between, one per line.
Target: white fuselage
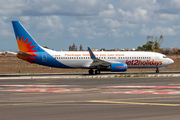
133	59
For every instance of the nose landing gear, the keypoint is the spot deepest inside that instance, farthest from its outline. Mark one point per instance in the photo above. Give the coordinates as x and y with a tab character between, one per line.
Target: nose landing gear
91	72
157	70
97	71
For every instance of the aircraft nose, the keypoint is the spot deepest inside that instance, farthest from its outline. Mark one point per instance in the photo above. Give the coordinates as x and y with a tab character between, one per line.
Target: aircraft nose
171	61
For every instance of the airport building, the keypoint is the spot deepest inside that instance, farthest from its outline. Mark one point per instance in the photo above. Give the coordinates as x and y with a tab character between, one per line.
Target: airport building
74	48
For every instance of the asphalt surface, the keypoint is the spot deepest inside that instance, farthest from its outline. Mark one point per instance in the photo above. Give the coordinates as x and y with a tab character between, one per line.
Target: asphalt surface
90	99
86	74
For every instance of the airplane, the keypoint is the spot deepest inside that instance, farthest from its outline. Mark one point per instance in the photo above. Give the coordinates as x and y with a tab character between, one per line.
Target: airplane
14	53
114	61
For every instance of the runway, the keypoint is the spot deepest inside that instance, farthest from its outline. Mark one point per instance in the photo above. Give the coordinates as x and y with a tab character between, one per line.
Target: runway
86	75
90	98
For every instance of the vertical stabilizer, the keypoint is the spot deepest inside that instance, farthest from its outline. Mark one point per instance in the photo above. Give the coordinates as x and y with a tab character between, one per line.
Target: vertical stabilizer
25	41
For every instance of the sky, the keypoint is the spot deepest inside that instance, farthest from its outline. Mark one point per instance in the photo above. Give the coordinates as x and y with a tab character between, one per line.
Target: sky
96	24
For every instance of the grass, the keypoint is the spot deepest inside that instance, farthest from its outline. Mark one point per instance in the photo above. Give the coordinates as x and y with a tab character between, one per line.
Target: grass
128	75
116	76
131	75
138	75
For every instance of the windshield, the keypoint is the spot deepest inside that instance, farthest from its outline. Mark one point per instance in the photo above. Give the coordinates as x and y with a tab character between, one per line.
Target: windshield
164	56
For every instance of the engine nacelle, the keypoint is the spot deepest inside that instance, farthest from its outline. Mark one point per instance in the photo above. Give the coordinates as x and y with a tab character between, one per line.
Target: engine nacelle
117	67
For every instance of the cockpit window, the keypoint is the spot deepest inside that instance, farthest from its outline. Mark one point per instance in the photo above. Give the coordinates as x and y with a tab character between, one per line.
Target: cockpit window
164	56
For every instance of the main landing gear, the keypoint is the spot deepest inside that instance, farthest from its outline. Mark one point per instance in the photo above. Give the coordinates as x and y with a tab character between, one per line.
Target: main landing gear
91	72
157	70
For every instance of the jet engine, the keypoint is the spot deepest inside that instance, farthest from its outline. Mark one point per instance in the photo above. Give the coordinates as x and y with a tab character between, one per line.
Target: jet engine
117	67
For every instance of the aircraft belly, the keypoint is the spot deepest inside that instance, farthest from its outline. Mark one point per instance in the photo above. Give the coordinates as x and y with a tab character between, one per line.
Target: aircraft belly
133	66
76	64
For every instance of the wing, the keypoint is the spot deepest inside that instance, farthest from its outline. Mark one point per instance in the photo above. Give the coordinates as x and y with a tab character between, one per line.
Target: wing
98	62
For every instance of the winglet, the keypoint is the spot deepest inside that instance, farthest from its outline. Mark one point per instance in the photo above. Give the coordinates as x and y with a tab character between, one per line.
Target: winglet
91	54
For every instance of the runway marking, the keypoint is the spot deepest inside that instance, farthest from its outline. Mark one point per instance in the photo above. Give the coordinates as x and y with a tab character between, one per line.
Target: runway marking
36	103
146	92
46	80
37	85
26	93
173	84
91	101
135	103
141	87
147	98
44	90
44	83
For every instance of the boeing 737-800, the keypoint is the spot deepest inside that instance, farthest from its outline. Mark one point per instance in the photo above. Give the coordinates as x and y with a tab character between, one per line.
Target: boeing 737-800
114	61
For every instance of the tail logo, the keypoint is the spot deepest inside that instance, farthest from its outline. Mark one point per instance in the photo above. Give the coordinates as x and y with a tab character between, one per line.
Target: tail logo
90	53
26	48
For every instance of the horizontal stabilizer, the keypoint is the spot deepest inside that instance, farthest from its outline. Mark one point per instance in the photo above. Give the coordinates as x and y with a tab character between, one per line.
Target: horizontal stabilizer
24	54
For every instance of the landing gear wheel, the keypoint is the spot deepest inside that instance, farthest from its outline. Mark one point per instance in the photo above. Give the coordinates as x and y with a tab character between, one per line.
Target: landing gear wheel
91	72
97	72
157	71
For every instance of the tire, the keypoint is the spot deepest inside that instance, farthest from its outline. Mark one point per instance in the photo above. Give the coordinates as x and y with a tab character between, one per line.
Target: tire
97	72
91	72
